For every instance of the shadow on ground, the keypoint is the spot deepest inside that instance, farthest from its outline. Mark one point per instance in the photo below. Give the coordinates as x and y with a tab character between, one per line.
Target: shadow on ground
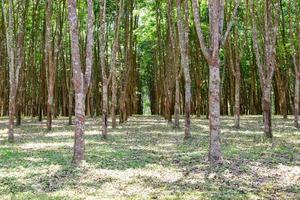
150	162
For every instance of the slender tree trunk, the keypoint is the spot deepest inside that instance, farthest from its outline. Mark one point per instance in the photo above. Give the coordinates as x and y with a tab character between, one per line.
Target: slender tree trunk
266	74
237	99
183	29
214	113
12	104
296	62
105	80
212	55
114	70
70	98
114	102
266	105
81	81
10	48
177	103
50	64
296	100
104	109
13	47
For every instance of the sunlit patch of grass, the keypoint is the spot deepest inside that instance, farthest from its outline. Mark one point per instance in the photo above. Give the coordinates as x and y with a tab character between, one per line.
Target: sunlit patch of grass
146	158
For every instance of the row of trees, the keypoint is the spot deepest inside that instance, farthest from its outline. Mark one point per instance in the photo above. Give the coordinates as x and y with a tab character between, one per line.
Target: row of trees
189	57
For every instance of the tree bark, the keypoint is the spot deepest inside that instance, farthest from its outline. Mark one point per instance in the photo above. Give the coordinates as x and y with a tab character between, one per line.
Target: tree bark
81	81
214	113
50	64
183	31
266	74
266	107
105	81
216	21
113	66
12	47
177	103
296	62
237	114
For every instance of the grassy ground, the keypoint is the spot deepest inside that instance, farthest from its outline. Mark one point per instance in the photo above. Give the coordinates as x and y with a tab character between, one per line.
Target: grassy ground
151	162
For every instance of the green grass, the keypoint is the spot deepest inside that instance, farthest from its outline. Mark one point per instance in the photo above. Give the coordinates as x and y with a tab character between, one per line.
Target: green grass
152	162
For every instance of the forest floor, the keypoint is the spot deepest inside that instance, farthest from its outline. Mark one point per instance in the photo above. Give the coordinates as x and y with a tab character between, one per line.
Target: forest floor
150	162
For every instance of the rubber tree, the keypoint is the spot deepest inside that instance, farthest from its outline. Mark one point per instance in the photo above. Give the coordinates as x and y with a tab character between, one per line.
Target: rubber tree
15	52
81	81
212	55
183	33
266	65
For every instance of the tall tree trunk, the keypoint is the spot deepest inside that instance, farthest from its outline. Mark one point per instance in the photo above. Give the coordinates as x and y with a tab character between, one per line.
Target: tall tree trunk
183	30
11	56
49	62
266	106
266	74
70	99
212	55
12	47
296	62
113	65
81	81
105	81
177	103
237	99
236	71
214	112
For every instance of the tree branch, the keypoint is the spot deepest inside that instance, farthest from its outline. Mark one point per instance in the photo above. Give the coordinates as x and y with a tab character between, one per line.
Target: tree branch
231	23
89	46
205	50
255	46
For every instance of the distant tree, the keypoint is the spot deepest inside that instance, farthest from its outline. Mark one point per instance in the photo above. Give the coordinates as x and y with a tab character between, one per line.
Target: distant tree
112	75
113	63
266	65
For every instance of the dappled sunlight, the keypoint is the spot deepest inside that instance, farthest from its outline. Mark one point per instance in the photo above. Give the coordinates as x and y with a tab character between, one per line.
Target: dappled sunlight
3	131
283	175
146	158
60	134
26	172
46	146
288	175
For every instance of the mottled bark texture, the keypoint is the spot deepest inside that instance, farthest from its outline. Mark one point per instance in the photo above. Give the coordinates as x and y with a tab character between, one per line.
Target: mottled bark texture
105	80
81	81
183	31
177	103
295	54
14	47
113	65
175	63
266	66
235	58
212	55
51	68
